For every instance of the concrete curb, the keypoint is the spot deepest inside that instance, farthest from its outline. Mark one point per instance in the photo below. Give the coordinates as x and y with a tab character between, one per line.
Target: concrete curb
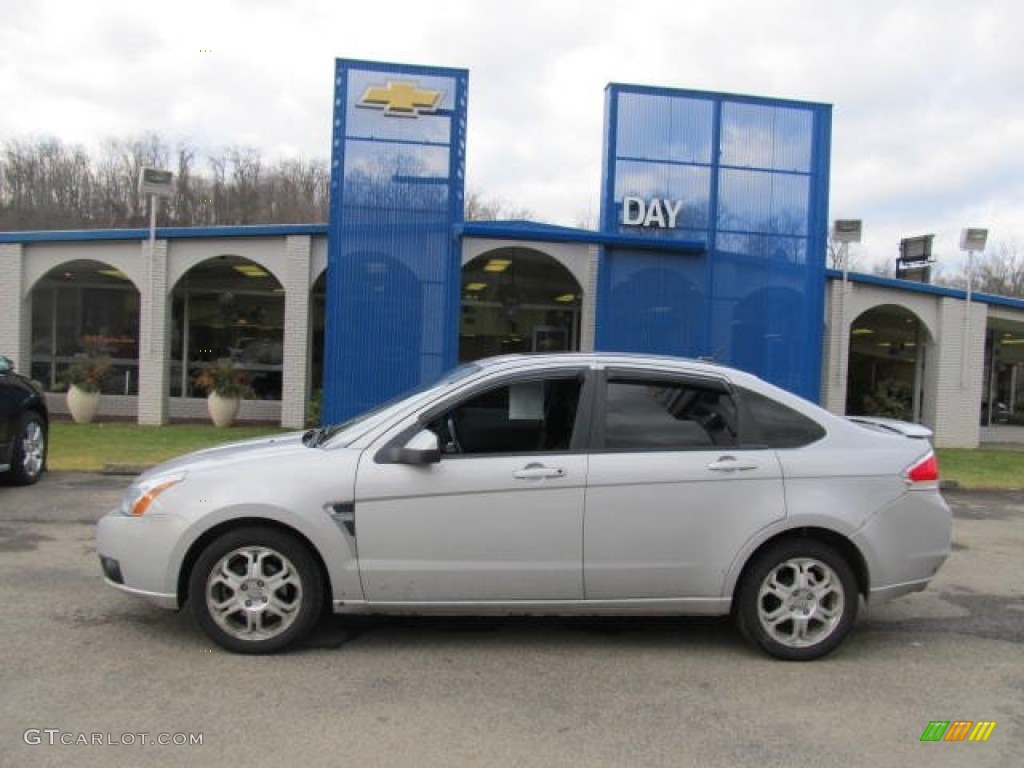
124	469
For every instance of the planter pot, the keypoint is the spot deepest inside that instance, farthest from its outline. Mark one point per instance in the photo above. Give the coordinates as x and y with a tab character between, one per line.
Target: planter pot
82	405
222	409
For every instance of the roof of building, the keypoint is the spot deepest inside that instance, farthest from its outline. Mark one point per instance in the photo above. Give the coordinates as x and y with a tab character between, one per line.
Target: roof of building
926	288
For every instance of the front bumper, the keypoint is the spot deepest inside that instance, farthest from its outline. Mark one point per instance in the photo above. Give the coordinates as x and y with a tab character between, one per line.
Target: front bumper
140	555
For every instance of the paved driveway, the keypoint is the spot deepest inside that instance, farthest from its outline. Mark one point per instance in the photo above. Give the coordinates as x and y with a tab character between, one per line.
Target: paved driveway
83	662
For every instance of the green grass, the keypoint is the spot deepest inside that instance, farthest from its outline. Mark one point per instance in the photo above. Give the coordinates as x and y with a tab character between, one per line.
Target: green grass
90	447
983	468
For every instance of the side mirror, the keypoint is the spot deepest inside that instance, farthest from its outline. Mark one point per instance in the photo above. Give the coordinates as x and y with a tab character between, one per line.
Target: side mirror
422	449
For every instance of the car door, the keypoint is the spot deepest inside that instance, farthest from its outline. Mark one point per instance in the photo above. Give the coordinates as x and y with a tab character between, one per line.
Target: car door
671	496
499	517
8	417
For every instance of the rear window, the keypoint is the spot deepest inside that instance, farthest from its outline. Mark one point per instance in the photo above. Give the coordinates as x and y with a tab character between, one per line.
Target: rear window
779	425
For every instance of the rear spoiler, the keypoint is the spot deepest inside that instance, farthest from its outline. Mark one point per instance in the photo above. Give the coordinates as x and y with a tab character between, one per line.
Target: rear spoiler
896	426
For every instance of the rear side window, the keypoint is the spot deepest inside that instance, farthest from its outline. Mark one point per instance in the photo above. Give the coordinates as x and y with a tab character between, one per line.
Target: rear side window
779	425
659	415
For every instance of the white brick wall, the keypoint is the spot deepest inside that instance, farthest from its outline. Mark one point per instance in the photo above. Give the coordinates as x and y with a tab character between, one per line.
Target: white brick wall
835	364
588	310
295	368
154	327
955	377
15	309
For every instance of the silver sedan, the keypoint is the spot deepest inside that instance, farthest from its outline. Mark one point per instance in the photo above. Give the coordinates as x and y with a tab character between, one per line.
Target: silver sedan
555	484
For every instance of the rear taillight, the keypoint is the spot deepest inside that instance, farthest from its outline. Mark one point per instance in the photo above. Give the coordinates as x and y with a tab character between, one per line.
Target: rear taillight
925	471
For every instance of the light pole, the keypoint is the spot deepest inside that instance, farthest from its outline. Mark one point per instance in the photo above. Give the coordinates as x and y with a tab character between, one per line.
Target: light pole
844	232
156	184
152	362
971	240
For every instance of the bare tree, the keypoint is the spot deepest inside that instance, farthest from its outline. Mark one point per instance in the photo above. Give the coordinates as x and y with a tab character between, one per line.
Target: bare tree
480	209
45	184
834	249
42	181
1000	271
298	190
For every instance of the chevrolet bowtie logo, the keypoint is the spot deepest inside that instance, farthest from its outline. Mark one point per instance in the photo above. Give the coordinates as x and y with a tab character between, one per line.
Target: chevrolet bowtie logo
400	99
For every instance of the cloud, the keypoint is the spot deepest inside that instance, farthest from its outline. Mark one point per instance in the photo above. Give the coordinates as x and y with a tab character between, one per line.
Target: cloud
927	121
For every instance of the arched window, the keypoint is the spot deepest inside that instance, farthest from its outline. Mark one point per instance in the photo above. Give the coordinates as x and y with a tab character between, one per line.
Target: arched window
228	307
518	300
886	365
86	307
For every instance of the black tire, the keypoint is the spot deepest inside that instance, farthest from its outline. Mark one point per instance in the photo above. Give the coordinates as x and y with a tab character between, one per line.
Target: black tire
28	455
237	571
797	600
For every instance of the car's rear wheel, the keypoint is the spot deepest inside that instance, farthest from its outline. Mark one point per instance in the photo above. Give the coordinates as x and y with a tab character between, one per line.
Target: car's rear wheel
798	600
29	455
256	590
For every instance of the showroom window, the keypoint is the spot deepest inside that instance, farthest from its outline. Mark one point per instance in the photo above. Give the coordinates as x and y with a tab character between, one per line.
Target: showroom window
517	300
86	307
228	308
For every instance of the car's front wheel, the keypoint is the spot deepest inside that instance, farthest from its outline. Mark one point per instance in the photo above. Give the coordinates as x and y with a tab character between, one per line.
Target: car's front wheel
29	456
798	600
256	590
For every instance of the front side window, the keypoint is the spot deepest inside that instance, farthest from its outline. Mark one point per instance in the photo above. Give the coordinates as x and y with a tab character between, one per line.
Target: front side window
659	415
519	417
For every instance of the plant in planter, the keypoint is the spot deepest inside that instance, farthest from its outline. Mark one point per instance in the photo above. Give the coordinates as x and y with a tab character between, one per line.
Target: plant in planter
84	378
225	386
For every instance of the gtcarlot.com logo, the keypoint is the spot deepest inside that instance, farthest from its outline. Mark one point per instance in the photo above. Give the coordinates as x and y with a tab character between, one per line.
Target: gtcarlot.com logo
958	730
56	737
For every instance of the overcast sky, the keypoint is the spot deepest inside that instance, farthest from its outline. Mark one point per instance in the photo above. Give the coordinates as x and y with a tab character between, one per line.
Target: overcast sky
928	95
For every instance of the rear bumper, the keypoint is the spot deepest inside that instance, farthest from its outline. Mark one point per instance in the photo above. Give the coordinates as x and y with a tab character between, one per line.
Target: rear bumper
881	594
906	543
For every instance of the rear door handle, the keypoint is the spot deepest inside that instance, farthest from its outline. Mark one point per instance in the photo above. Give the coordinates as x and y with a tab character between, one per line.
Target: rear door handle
731	464
537	472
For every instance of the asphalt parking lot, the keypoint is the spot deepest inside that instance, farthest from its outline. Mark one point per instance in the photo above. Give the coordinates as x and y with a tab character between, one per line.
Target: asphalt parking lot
85	663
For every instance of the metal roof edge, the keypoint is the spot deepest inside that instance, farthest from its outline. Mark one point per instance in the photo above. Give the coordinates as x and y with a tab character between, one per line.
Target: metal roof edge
926	288
162	233
534	232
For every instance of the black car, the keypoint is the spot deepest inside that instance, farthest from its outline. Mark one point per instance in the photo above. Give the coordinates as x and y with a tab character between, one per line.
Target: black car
24	427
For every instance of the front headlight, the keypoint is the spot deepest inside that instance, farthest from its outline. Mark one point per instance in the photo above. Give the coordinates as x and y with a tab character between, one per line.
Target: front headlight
138	498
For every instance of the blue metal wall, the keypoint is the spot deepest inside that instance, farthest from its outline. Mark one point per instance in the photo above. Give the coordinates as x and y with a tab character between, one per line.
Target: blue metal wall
752	177
397	186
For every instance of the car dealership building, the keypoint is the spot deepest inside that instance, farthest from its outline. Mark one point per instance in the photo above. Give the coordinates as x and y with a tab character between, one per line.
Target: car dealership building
711	244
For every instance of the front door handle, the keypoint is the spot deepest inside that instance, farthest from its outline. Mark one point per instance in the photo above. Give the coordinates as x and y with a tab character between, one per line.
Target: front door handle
537	472
731	464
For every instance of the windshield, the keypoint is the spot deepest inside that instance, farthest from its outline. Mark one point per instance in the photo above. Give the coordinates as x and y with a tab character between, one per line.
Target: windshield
347	432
